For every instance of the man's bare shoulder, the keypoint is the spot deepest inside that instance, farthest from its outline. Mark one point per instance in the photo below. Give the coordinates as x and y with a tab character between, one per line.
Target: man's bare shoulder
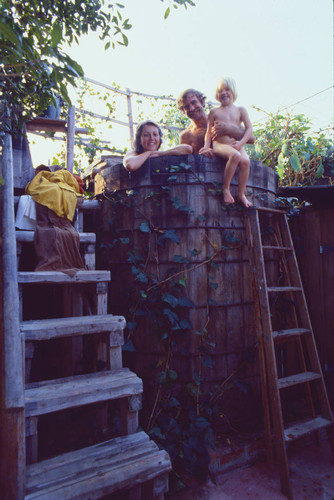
189	132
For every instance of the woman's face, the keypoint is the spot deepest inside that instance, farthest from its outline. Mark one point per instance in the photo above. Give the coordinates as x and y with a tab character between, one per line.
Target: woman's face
150	139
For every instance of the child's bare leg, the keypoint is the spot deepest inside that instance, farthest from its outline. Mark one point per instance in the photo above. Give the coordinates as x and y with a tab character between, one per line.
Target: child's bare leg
243	178
233	158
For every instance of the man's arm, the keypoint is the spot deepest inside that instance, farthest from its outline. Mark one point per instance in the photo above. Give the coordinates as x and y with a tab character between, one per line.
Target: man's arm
220	128
185	137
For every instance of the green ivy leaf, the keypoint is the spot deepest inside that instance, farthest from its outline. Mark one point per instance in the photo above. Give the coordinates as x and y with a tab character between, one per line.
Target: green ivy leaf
167	12
170	299
161	378
131	325
185	166
185	324
207	361
230	236
169	234
144	227
183	282
180	259
185	302
128	346
195	252
155	432
172	375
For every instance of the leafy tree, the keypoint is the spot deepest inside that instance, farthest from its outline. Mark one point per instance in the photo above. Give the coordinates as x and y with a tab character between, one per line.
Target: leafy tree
34	66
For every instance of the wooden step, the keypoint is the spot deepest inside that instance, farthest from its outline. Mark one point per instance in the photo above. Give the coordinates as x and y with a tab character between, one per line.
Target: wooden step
54	395
292	332
272	289
28	237
45	329
59	277
298	378
300	429
94	472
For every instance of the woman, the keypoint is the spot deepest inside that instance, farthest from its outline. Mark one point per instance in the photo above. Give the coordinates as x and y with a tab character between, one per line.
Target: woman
147	142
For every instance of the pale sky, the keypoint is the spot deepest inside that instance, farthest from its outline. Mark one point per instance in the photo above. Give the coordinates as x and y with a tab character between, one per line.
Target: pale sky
278	51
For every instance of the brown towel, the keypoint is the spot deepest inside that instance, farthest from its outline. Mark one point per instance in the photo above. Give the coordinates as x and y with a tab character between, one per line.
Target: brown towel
56	243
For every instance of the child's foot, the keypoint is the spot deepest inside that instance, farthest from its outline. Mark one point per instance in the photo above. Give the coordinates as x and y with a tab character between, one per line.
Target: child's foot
242	198
228	198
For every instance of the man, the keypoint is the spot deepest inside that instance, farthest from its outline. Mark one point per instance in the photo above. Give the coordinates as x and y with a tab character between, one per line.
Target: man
191	102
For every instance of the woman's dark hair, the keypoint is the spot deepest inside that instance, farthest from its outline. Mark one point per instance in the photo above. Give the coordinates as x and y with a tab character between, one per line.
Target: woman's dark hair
137	143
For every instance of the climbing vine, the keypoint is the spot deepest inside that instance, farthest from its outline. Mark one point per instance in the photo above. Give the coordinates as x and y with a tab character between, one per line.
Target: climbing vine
181	412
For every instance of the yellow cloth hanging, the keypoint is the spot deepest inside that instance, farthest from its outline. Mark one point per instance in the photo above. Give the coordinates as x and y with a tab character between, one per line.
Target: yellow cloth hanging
56	190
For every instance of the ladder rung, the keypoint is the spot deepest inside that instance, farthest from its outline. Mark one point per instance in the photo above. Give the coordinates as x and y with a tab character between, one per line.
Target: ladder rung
284	289
272	247
301	428
292	332
298	378
271	210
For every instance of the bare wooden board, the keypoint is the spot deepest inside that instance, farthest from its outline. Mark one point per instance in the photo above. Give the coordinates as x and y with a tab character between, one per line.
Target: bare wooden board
46	329
102	469
28	237
298	378
301	428
59	277
292	332
284	289
54	395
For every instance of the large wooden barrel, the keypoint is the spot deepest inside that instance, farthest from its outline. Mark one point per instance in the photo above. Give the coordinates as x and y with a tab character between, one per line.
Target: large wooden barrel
166	230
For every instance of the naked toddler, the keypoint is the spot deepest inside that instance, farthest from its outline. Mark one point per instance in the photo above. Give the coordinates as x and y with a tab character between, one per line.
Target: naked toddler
227	147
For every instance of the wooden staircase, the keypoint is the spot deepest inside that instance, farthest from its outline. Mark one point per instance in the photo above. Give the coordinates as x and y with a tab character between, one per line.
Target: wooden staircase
294	393
130	462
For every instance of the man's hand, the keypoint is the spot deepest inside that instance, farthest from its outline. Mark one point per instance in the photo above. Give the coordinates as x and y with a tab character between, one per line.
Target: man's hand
220	128
207	152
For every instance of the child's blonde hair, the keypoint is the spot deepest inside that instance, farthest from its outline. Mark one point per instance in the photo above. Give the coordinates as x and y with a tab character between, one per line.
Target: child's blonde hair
229	83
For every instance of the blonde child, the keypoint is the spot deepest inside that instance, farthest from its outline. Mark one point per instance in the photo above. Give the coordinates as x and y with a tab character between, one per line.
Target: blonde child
227	147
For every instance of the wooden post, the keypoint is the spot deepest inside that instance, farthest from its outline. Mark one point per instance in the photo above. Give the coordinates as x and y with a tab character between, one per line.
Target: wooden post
70	139
12	472
130	116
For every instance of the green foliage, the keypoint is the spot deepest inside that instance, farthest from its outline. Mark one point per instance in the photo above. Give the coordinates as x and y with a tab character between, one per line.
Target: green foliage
286	144
34	66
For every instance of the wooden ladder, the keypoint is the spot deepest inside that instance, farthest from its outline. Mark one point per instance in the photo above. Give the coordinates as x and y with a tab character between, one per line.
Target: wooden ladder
294	393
